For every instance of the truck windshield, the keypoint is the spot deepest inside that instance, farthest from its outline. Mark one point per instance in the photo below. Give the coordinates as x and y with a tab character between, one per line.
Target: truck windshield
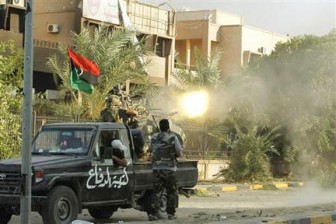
65	141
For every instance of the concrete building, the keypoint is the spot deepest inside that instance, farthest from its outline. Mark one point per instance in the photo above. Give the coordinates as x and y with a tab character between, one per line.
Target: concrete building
168	34
55	20
154	23
208	30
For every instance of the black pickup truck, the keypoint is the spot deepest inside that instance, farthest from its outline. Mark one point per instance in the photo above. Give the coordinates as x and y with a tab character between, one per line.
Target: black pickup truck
82	175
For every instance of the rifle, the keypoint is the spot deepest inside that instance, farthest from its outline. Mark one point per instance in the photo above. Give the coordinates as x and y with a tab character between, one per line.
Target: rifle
156	124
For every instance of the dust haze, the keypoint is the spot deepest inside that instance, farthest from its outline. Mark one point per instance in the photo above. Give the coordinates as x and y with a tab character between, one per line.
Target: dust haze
296	93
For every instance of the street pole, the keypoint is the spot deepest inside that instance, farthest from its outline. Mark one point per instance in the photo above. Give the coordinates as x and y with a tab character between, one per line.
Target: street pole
204	139
26	172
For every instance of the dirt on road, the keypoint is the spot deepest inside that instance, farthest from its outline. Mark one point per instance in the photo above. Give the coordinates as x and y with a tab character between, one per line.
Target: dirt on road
232	207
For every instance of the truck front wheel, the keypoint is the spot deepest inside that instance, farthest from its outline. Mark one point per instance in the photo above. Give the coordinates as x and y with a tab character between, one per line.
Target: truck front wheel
102	212
61	207
4	216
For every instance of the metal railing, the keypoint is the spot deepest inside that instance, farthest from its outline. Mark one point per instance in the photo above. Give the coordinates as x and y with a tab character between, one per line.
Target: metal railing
39	121
201	145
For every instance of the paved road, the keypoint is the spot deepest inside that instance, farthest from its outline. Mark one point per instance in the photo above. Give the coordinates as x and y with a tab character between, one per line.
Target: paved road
234	207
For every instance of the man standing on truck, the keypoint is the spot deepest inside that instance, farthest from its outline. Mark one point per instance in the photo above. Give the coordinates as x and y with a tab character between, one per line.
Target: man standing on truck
111	112
164	147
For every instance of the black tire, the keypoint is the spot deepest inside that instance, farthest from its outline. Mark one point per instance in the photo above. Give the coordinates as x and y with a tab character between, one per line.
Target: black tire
5	216
61	207
101	212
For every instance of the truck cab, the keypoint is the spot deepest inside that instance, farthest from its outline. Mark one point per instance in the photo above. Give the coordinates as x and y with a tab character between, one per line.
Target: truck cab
73	169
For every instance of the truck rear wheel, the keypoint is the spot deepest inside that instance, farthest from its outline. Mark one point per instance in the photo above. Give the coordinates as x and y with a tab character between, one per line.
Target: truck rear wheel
4	216
102	212
61	207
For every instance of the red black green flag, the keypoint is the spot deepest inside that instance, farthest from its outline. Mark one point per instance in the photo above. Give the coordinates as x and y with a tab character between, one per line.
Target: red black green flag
83	72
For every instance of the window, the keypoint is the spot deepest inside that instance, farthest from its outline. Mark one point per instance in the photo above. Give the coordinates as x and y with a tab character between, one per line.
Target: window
162	47
63	141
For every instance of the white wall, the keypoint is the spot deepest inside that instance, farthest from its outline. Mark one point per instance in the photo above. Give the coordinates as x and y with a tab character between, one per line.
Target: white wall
253	39
208	169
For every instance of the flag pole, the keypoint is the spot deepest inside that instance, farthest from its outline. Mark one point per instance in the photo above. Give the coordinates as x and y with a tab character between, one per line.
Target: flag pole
26	172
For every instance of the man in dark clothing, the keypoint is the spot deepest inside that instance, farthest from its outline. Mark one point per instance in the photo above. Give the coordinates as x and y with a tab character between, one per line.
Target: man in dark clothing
164	147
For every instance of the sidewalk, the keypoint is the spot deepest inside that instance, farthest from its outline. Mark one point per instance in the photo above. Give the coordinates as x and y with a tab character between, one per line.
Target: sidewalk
301	218
203	187
320	216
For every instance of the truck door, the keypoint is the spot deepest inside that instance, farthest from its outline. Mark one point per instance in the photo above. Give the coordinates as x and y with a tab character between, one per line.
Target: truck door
107	181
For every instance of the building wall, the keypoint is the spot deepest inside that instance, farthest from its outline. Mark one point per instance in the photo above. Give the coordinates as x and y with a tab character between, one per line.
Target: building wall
191	29
13	36
151	19
190	35
157	25
223	18
186	50
230	47
65	15
209	169
181	50
215	29
240	43
204	29
213	16
157	68
254	39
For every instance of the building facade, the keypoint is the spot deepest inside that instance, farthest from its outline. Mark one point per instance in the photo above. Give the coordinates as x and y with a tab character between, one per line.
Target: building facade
208	30
56	20
154	23
170	35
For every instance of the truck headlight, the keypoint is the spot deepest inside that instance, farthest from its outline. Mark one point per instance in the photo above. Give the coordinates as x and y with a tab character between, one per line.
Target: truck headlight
38	176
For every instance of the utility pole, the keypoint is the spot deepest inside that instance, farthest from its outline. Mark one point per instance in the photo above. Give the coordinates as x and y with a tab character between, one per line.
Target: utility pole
26	171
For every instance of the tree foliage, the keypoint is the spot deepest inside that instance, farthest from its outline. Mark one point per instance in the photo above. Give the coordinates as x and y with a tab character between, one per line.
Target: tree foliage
250	145
300	78
117	58
205	77
10	124
284	102
11	70
206	74
11	64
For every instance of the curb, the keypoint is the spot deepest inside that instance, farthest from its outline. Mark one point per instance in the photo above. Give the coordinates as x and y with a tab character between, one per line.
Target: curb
256	187
310	219
203	189
301	218
295	184
280	185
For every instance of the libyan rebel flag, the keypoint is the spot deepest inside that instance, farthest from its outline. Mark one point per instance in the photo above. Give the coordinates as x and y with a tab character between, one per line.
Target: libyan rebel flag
84	74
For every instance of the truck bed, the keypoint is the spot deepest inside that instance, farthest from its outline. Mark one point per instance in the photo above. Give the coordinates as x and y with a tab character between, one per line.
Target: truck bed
187	174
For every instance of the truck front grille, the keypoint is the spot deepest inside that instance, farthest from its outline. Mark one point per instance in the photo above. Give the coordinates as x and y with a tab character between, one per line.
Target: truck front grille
10	182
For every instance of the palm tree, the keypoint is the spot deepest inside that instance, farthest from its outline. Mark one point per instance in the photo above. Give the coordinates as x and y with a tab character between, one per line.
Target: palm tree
206	75
117	58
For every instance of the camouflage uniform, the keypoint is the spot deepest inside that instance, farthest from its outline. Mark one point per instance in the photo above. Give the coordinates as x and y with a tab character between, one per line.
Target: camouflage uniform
110	112
106	115
131	119
164	176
